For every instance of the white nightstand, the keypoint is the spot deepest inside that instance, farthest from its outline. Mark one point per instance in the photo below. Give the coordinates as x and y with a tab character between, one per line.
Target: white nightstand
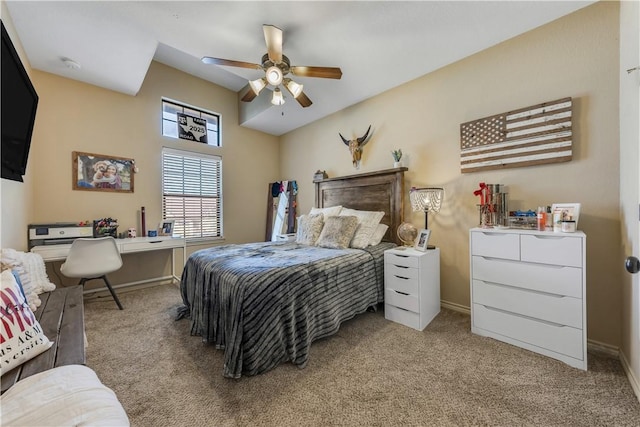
411	286
286	237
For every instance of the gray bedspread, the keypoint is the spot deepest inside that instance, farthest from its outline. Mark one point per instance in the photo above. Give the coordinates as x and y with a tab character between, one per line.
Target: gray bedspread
265	303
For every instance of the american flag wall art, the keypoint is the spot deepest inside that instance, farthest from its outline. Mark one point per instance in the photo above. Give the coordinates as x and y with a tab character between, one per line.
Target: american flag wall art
528	136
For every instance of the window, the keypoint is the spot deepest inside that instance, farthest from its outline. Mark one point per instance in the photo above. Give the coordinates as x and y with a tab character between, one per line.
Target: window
192	193
170	110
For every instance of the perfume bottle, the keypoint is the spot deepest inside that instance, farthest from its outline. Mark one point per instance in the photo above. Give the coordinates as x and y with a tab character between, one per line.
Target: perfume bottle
542	218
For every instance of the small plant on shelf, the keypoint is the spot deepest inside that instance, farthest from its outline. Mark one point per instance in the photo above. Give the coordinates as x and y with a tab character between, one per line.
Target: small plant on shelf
397	155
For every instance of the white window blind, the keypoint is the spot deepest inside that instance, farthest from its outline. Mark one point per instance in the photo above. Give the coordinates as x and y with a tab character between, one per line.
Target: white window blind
192	193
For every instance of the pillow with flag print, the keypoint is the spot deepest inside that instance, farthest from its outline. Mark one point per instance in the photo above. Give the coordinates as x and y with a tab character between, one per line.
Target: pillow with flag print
21	337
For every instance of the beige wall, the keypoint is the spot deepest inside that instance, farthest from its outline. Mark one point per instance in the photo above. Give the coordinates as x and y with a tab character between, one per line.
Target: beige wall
17	197
74	116
575	56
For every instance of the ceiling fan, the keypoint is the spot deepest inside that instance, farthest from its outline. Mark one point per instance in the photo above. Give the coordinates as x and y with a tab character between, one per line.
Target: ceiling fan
276	67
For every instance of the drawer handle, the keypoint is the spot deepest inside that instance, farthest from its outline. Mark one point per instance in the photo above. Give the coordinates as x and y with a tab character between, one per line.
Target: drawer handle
401	293
549	237
401	256
515	261
533	291
400	277
486	233
546	322
401	266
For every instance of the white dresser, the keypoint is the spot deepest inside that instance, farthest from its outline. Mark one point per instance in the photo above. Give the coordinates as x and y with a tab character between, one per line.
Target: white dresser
411	286
528	289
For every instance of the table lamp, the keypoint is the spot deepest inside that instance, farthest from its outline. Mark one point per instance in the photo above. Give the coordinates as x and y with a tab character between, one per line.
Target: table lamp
426	200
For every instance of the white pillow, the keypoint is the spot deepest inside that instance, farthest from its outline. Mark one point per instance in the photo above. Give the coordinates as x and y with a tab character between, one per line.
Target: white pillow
33	274
309	228
378	234
327	212
22	335
367	223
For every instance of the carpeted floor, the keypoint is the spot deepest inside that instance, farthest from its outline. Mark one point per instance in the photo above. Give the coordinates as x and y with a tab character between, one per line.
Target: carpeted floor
373	372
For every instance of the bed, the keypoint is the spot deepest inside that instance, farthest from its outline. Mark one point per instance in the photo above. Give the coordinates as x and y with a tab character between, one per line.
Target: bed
265	303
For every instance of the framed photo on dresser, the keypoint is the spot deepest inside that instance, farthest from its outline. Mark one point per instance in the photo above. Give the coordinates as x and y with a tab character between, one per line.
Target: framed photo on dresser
422	242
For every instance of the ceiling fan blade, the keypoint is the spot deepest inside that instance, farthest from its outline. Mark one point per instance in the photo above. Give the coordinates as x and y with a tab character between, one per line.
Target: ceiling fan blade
273	38
303	100
324	72
230	63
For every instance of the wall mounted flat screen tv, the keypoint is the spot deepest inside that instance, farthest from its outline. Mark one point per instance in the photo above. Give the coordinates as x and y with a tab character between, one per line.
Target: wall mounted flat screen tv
19	103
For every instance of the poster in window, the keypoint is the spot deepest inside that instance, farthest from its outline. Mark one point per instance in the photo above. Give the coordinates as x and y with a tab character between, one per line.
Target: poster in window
192	128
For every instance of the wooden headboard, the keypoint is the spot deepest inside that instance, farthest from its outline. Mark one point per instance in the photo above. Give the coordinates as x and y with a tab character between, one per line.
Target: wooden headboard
371	191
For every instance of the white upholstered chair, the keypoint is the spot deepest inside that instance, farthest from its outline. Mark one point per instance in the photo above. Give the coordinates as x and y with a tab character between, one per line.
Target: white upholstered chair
91	259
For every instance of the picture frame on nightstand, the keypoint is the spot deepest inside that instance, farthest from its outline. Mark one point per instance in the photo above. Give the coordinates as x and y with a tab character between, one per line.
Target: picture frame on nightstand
422	242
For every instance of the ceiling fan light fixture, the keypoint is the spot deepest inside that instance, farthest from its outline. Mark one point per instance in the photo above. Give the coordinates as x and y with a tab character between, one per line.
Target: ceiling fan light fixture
257	85
277	98
274	75
294	88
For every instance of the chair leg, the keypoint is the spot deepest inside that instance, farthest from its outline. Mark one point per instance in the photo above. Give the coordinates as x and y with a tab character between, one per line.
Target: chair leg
113	293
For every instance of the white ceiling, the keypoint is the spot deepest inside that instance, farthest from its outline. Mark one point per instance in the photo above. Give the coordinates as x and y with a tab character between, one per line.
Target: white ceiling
378	45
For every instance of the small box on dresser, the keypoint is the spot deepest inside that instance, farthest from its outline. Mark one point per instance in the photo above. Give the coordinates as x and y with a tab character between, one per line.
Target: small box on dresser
528	288
411	286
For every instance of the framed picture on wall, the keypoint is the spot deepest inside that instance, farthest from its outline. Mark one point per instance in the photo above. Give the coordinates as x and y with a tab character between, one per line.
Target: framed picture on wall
100	172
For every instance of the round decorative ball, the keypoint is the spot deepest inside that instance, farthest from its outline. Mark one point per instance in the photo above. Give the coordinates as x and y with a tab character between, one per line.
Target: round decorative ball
407	233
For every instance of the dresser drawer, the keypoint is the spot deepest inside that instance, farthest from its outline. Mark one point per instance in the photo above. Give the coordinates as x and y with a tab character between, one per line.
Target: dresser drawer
399	259
402	284
407	318
538	277
401	300
560	339
497	245
552	308
551	249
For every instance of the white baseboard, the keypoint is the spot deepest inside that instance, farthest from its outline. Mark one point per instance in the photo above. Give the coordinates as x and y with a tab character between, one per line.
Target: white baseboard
455	307
633	380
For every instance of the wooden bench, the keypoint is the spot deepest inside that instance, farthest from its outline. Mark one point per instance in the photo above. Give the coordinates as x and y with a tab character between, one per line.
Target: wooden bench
61	317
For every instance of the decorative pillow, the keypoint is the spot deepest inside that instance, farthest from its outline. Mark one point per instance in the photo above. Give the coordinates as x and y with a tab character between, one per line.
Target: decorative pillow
309	228
33	275
330	211
337	232
378	235
367	223
22	336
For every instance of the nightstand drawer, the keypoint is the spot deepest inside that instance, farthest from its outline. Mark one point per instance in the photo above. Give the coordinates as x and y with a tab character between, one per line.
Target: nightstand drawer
497	245
407	318
400	259
552	308
400	271
407	285
401	300
557	250
560	339
538	277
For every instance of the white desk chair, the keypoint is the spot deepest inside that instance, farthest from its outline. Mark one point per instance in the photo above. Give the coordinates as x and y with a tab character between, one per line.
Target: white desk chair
91	259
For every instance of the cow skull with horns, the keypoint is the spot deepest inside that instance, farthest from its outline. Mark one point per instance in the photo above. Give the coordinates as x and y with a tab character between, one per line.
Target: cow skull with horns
355	147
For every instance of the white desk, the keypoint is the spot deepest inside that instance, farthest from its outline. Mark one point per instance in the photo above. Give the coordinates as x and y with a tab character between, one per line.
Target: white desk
125	246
